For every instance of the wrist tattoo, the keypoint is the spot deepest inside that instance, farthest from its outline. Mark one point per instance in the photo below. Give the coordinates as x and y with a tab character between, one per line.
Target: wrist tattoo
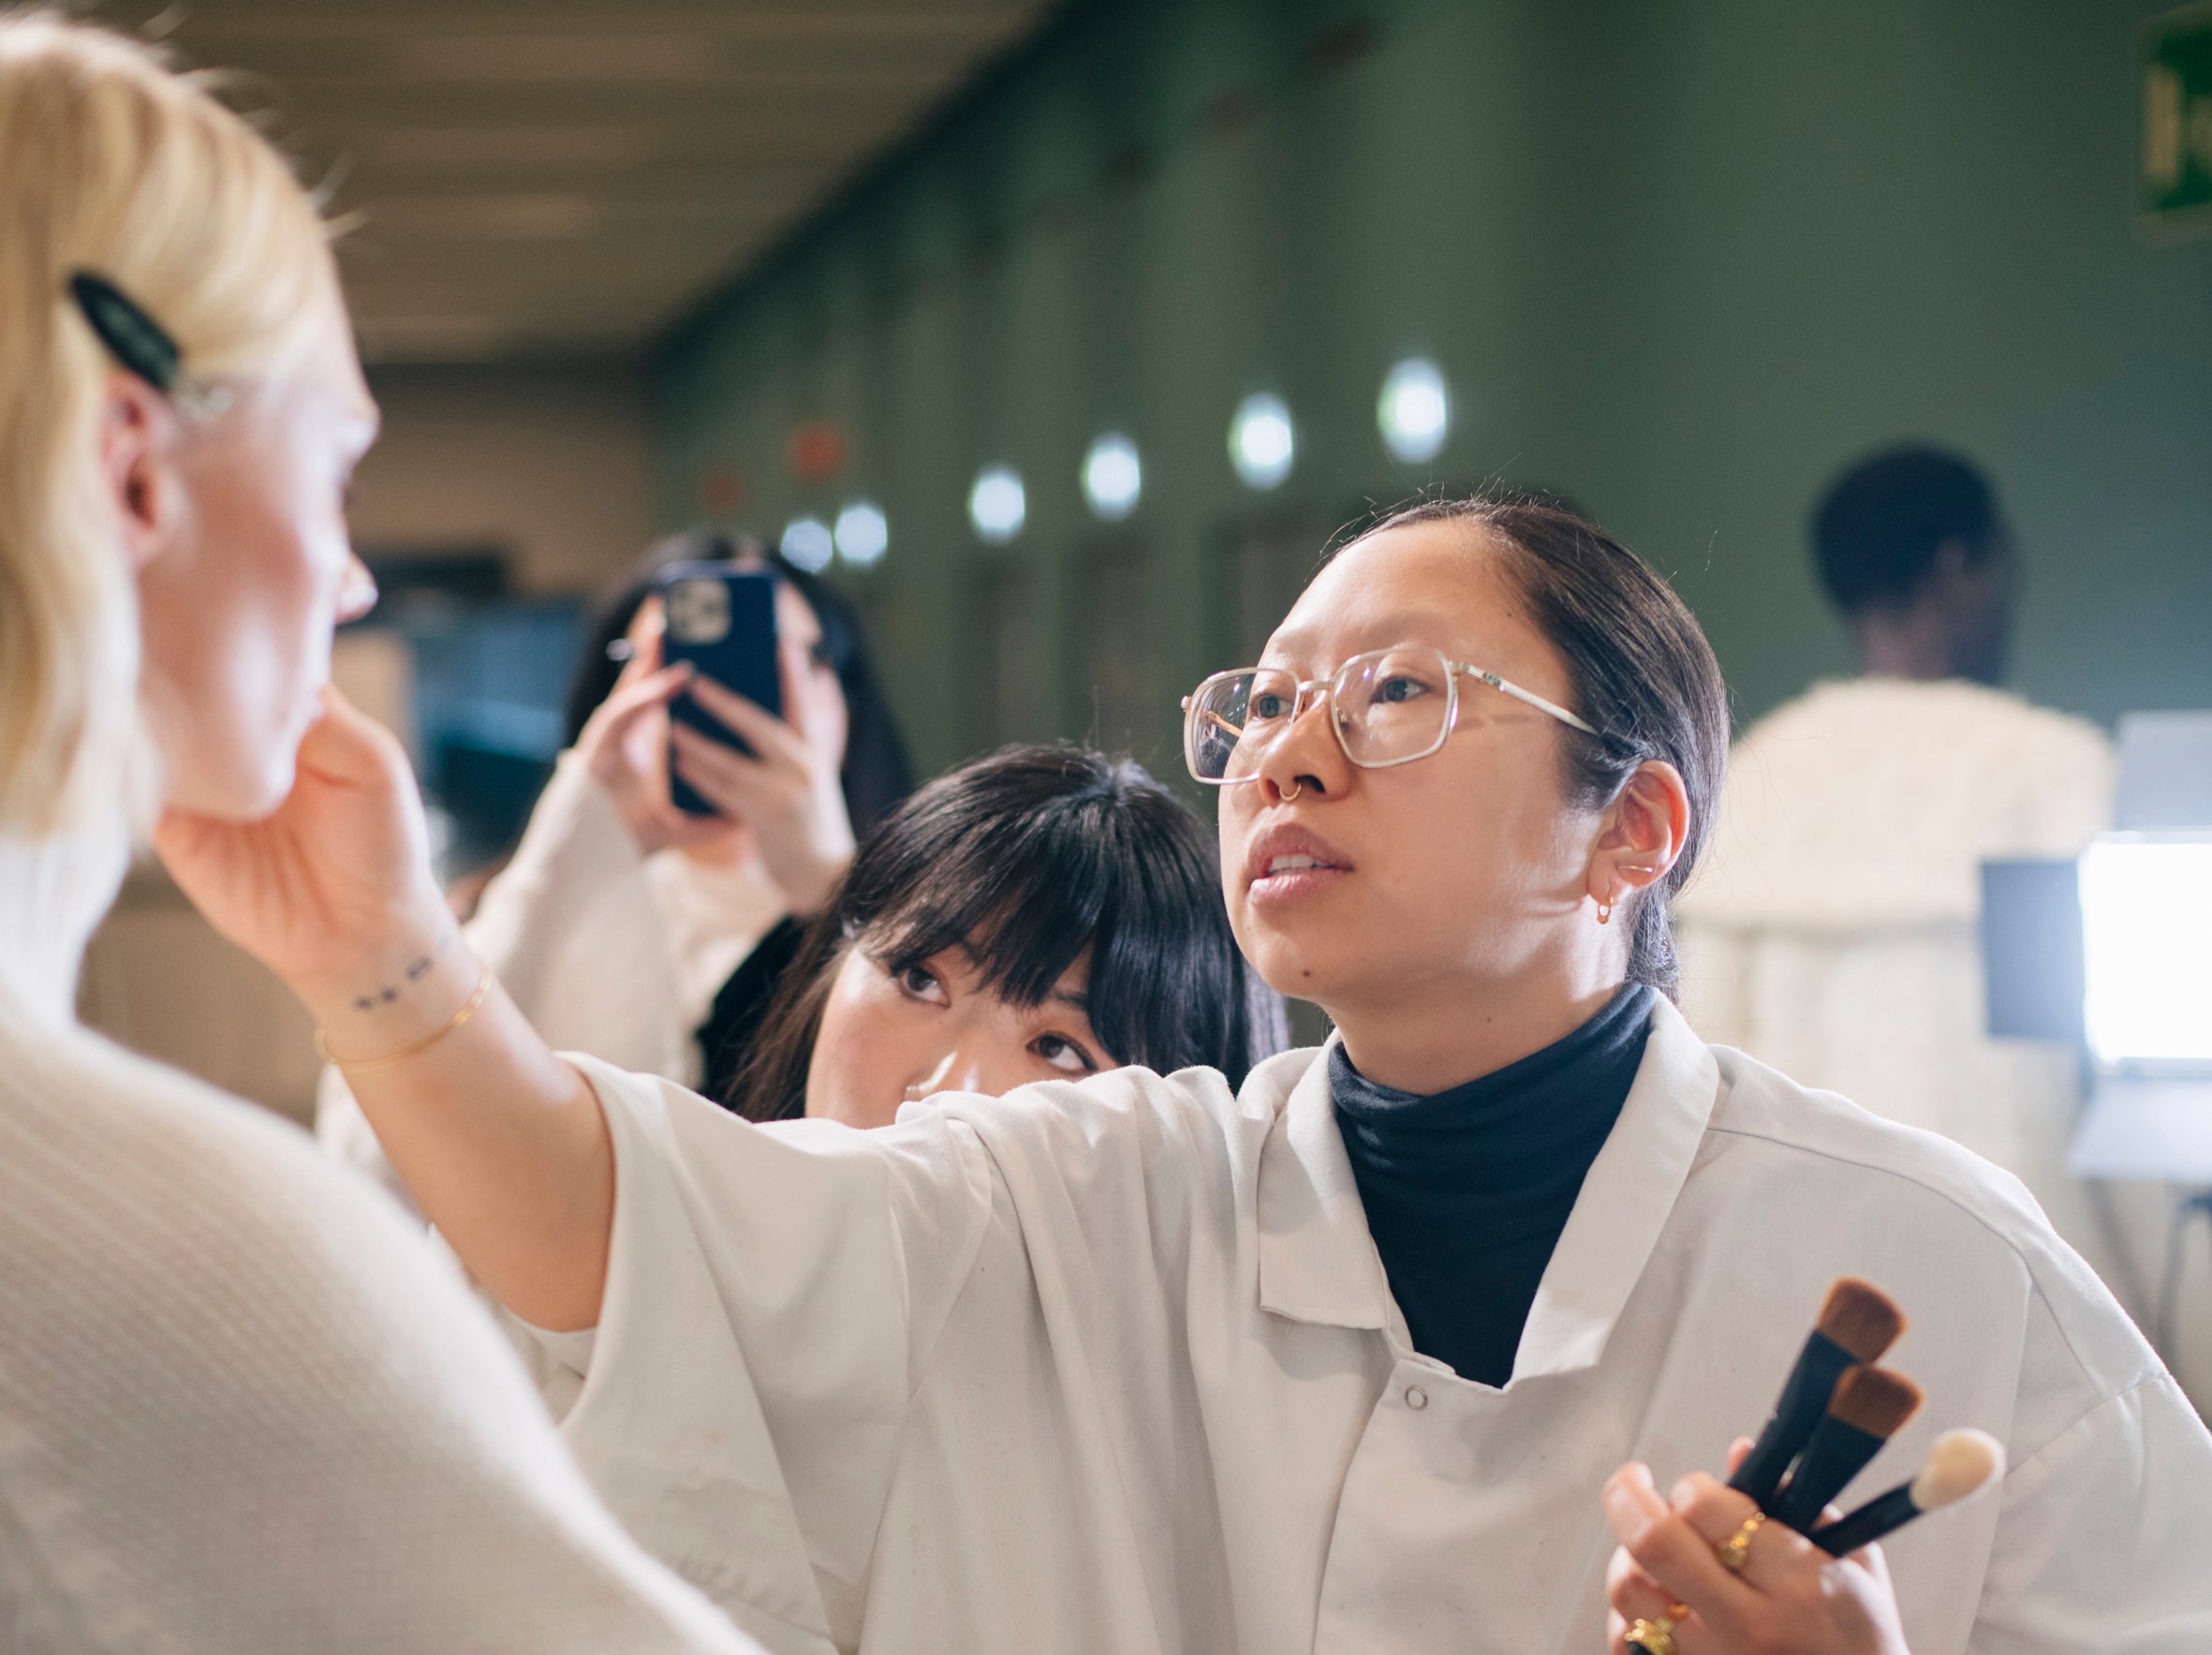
414	971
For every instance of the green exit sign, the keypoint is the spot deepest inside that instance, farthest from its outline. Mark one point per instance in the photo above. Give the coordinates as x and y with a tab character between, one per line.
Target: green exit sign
2176	183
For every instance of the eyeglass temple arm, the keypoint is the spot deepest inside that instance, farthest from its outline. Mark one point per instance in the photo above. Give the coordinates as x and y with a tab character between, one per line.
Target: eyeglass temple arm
1530	698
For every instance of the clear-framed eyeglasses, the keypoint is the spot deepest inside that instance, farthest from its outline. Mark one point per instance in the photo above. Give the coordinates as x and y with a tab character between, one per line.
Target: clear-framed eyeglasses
1388	706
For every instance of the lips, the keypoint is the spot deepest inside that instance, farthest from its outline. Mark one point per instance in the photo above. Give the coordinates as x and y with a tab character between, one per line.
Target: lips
1286	860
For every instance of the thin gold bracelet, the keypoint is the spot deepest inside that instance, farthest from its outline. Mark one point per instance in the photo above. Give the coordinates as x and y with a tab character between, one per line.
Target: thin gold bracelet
370	1065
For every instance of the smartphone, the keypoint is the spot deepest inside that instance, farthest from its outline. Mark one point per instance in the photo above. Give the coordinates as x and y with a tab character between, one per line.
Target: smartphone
721	619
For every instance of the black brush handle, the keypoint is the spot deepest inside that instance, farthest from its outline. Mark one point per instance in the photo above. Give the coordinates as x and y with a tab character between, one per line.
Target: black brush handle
1837	1454
1883	1514
1803	1405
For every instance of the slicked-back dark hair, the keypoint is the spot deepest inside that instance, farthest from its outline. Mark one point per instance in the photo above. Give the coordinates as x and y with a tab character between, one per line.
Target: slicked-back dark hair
1877	531
1026	859
1640	667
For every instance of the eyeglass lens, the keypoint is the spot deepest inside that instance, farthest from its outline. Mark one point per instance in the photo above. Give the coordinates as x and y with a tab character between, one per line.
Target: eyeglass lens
1389	705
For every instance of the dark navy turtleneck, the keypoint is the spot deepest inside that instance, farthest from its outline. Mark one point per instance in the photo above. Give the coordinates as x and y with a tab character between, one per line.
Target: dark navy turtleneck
1466	1192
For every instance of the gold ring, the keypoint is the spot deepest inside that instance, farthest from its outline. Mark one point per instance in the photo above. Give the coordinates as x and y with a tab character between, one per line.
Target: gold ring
1736	1550
1654	1637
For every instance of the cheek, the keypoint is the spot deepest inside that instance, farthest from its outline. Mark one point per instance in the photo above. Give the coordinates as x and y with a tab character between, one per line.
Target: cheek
237	642
860	1063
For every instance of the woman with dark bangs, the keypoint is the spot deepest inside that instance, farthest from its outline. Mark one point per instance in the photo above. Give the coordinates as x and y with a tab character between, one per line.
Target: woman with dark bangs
1044	914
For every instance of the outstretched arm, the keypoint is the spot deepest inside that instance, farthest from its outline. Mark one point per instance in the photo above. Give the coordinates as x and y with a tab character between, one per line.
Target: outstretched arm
501	1142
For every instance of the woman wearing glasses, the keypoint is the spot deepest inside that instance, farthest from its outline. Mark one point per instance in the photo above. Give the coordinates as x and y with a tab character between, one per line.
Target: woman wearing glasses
1351	1358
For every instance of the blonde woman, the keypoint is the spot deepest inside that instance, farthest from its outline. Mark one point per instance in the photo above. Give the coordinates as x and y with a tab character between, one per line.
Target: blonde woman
241	1409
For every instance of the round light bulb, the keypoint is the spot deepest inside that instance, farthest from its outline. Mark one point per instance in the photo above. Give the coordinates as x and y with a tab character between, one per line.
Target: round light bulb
996	505
1112	476
1261	444
1414	410
862	534
807	542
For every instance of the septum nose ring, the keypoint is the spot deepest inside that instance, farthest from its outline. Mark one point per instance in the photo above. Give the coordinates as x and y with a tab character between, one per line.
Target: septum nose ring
1292	791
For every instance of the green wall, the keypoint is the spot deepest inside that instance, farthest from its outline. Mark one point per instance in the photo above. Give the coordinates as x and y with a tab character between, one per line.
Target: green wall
1678	260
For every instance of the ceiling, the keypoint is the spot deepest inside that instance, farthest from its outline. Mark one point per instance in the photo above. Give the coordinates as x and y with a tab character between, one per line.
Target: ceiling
566	177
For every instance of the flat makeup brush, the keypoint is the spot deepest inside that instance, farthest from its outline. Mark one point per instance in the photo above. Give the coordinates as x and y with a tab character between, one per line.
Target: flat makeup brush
1870	1406
1960	1463
1858	1323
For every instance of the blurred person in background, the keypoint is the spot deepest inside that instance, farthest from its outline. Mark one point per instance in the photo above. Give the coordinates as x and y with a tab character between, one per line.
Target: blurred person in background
625	928
1834	931
242	1408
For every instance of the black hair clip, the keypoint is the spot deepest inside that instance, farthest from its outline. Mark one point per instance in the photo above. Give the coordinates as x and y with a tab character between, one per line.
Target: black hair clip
143	346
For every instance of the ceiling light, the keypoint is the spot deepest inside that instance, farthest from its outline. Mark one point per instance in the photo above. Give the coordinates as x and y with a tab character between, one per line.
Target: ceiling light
996	505
1414	410
1261	444
862	535
1112	476
807	542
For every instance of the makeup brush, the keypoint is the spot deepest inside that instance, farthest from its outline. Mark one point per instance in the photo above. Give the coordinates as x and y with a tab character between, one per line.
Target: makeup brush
1870	1406
1858	1323
1961	1463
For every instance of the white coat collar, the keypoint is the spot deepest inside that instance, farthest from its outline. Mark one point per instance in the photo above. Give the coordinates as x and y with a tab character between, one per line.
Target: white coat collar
1318	1262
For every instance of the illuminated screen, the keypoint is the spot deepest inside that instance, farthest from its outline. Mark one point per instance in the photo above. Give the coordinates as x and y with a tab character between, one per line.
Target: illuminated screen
2147	940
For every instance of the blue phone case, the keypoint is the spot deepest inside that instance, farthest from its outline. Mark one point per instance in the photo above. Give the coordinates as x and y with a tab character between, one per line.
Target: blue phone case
721	619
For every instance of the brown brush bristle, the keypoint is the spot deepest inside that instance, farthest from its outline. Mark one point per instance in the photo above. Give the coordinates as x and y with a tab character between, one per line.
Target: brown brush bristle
1861	1318
1874	1399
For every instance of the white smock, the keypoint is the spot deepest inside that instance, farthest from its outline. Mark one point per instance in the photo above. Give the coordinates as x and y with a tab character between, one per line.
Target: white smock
1113	1366
604	949
243	1409
1833	929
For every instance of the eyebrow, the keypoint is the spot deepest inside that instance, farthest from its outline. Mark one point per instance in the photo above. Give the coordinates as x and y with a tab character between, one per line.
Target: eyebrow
1405	627
1075	999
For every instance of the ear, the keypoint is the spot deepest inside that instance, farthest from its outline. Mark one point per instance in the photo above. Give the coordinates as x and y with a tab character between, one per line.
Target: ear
137	438
1641	835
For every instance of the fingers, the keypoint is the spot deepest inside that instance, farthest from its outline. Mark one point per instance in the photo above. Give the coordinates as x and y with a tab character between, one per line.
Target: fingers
1715	1512
770	736
1633	1596
1676	1553
651	690
736	785
1738	1451
348	748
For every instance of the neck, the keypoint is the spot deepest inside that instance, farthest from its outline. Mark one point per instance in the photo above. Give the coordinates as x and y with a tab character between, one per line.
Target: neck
53	892
1912	643
1428	1038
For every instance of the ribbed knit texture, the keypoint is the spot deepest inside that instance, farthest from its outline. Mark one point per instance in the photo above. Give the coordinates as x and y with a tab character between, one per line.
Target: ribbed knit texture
243	1409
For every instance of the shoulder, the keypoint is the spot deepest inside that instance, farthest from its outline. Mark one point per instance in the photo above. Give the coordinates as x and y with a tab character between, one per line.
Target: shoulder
1966	1220
1181	1148
1131	1110
150	1215
1896	792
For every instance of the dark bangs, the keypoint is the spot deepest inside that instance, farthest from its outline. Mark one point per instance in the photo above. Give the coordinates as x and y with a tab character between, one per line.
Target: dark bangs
1029	859
1026	861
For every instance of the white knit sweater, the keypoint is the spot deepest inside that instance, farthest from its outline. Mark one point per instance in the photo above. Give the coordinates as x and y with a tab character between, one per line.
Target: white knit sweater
243	1408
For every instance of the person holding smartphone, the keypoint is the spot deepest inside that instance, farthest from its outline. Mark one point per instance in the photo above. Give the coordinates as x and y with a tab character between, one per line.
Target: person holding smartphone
1352	1357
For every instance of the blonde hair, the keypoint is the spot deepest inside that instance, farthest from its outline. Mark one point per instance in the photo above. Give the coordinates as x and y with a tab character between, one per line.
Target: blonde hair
110	163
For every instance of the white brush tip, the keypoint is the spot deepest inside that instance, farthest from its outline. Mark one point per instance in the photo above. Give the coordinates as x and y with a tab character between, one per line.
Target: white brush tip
1959	1464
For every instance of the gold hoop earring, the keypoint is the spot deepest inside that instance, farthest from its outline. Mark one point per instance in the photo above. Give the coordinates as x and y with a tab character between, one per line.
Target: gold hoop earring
1292	791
